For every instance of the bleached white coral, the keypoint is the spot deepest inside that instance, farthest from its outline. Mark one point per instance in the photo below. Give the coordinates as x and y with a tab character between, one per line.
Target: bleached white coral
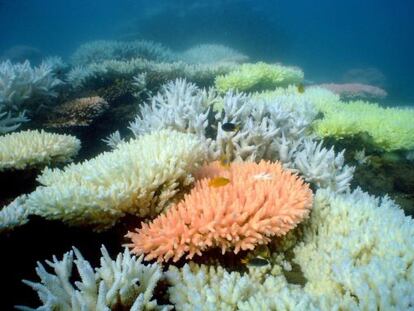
358	252
20	82
36	148
125	282
212	53
139	177
213	288
9	122
79	75
180	106
13	215
323	167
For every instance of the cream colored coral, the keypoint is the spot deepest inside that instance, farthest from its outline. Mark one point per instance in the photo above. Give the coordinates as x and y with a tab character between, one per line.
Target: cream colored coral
140	177
34	148
13	215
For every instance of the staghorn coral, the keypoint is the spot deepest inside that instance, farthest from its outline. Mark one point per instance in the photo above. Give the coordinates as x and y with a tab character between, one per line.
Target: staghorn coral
323	167
179	106
77	112
21	82
212	53
36	148
257	77
262	200
139	177
122	283
10	123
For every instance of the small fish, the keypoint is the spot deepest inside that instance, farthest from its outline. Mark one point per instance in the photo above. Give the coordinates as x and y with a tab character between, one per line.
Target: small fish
301	88
217	182
230	127
225	161
262	251
255	262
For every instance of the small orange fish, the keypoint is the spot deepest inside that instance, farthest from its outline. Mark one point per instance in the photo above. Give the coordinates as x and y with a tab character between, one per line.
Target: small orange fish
217	182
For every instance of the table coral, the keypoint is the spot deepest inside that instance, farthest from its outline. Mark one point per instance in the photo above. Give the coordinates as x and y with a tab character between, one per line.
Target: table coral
36	148
262	200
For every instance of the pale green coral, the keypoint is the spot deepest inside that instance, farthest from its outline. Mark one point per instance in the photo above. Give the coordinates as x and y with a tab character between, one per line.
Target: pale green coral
259	76
390	128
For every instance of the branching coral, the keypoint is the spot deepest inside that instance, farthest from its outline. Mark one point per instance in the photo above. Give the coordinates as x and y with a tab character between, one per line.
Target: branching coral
9	122
20	82
36	148
261	200
122	283
259	76
140	177
179	106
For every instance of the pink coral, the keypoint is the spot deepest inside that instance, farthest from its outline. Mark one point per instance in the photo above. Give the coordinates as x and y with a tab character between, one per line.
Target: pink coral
349	91
262	200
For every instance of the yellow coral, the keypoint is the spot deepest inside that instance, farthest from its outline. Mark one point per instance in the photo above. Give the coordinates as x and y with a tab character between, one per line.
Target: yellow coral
259	76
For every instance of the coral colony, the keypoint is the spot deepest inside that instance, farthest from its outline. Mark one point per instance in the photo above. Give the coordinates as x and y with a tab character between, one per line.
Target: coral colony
234	175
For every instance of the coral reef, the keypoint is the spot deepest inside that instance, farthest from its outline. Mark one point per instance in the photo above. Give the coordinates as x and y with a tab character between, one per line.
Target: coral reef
259	202
77	112
257	77
273	130
140	177
36	148
347	261
121	283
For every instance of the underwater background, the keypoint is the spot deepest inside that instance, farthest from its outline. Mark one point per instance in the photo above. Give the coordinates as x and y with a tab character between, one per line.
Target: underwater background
113	113
326	39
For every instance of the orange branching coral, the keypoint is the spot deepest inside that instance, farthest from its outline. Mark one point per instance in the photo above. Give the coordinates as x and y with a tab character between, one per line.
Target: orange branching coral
260	201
